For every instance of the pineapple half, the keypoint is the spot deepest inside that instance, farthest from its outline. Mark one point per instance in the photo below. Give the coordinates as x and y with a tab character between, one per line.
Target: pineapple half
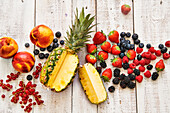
92	84
61	66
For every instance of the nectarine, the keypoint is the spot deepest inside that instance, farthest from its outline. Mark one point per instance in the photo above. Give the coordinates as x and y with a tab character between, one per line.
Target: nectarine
8	47
42	36
23	62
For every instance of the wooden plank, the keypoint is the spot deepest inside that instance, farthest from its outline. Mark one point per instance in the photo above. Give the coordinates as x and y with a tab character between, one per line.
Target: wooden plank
16	20
57	15
110	18
152	25
81	104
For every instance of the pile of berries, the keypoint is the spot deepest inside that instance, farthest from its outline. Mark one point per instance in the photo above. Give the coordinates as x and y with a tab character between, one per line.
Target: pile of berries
4	86
36	72
12	76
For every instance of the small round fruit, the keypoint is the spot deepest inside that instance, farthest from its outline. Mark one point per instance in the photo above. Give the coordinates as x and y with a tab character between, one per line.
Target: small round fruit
23	62
137	41
121	55
41	56
55	45
115	81
122	34
127	46
3	96
135	36
99	69
55	40
141	45
29	77
132	46
103	64
122	49
161	46
46	55
62	42
127	41
164	50
125	66
42	49
149	67
139	57
111	89
58	34
148	46
155	75
36	52
27	45
128	34
122	38
49	48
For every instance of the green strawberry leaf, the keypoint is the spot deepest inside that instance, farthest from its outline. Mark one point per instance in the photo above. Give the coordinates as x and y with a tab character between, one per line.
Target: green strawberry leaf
105	78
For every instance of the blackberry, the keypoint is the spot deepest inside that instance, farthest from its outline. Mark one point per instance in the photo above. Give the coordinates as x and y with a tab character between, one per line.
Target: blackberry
29	77
55	40
123	84
139	57
132	46
164	50
121	55
137	41
131	76
103	64
62	42
122	76
111	89
58	34
115	81
131	85
149	67
148	46
161	46
125	65
41	55
42	49
122	34
27	45
49	48
136	72
126	79
55	45
154	75
141	45
99	69
135	36
116	72
46	55
36	52
128	34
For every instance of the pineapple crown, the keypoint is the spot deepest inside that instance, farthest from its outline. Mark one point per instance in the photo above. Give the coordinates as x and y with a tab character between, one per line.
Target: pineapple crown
78	34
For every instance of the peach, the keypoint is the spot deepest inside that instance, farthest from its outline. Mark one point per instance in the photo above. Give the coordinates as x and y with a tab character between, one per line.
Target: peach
41	36
23	62
8	47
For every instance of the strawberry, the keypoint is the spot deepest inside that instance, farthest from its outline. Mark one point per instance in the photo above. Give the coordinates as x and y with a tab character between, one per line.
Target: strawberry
131	54
147	61
125	59
152	50
117	62
125	9
148	55
139	50
147	74
106	46
91	59
109	50
99	37
142	62
141	68
166	56
136	62
160	66
153	57
130	71
115	50
107	75
139	78
91	48
114	36
132	65
158	53
167	43
102	55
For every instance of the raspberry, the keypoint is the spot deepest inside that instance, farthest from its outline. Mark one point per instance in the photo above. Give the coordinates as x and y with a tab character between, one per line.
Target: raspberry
132	65
149	67
139	78
116	72
130	71
131	85
148	55
166	56
147	74
131	76
158	53
111	89
143	54
167	43
122	76
123	84
136	72
152	50
147	61
153	57
139	50
142	62
115	81
154	75
125	65
136	62
125	59
141	68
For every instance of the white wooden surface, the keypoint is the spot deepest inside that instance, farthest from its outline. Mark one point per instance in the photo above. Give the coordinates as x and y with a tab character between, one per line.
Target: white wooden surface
151	22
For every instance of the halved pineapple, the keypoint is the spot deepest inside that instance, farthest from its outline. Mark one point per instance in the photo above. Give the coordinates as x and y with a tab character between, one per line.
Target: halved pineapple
92	84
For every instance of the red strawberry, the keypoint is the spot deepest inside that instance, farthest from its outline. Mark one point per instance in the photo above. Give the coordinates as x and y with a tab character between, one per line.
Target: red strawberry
141	68
139	50
139	78
125	59
130	71
136	62
106	46
114	36
153	57
148	55
132	65
147	74
91	59
107	75
117	62
91	48
125	9
158	53
152	50
143	54
142	62
147	61
167	43
131	54
166	56
102	55
115	50
99	37
160	66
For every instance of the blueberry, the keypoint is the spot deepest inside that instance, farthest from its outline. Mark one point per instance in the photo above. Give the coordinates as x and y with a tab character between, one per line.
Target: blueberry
58	34
161	46
135	36
122	49
122	38
42	49
121	55
36	51
141	45
118	44
111	89
122	41
122	34
55	40
127	46
137	41
41	55
128	34
62	42
127	41
55	45
139	57
149	67
148	46
123	45
46	55
164	50
132	46
29	77
49	48
27	45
